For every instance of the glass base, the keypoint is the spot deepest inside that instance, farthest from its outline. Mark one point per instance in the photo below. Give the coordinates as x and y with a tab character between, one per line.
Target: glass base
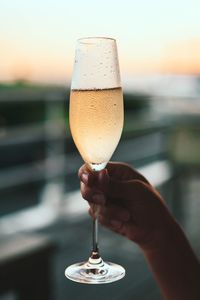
95	273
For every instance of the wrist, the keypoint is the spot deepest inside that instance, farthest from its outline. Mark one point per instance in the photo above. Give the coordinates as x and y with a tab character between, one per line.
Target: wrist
161	239
174	264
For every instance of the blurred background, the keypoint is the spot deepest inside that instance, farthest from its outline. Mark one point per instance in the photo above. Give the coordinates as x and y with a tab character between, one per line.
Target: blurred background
44	225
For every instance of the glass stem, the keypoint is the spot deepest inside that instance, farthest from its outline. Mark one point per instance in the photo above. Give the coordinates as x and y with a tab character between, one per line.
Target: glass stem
95	247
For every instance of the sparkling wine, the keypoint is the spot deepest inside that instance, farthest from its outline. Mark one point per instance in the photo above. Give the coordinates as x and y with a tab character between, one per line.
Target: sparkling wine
96	122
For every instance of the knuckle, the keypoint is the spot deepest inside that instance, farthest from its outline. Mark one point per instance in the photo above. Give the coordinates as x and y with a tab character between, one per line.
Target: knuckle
84	191
81	170
84	195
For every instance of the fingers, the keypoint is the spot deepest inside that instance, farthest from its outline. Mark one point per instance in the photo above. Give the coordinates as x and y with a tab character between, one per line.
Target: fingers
115	171
86	175
92	195
110	213
113	224
114	212
98	179
115	190
116	224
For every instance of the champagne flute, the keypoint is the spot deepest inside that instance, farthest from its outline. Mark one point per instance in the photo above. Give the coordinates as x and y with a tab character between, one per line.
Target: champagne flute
96	122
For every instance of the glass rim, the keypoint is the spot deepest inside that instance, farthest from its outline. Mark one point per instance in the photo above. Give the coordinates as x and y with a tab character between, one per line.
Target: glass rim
81	40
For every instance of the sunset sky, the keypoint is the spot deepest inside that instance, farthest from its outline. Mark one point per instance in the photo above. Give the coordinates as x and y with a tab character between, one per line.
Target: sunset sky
37	38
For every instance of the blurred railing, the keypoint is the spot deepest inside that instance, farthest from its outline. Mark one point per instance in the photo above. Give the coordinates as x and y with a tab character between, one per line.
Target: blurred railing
32	128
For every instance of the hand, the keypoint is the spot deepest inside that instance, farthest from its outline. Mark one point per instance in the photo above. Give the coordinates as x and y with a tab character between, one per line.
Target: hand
129	205
126	203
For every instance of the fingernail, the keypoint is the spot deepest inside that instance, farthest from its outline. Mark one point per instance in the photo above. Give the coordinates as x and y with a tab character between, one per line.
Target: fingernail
116	224
84	178
99	198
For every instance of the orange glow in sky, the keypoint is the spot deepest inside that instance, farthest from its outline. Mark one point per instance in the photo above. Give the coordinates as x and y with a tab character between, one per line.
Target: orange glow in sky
37	38
183	57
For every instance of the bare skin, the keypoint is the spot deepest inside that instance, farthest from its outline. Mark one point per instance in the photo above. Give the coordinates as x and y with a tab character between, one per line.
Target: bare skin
128	204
